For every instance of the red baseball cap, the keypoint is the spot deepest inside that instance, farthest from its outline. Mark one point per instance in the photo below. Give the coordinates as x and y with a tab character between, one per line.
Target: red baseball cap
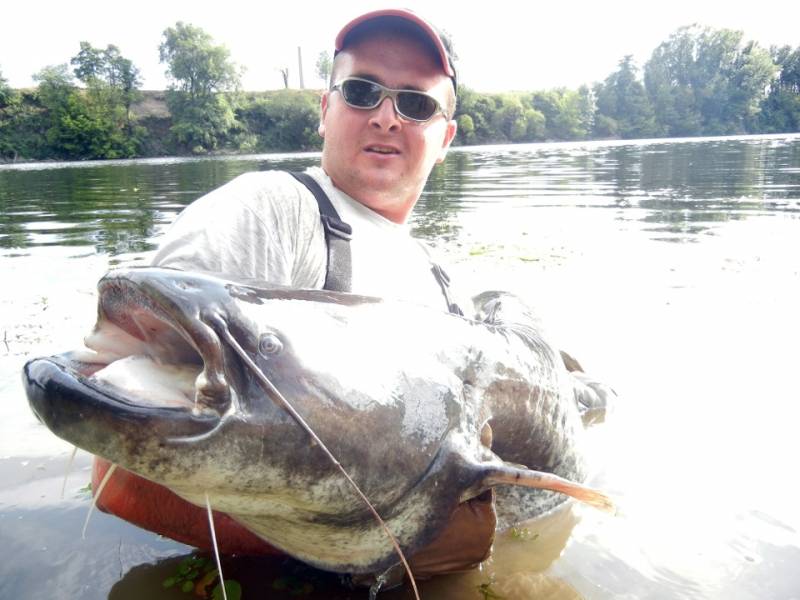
443	48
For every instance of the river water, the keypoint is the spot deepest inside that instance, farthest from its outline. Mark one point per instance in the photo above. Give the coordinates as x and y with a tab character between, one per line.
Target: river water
670	268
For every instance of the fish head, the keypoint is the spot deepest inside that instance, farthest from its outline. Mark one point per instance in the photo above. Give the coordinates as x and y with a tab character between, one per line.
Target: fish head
184	378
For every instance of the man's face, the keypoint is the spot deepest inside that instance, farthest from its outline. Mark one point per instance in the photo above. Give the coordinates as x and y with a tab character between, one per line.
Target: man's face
375	156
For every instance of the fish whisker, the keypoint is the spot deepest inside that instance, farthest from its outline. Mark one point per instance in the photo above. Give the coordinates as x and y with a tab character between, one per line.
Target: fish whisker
216	547
69	468
99	491
222	329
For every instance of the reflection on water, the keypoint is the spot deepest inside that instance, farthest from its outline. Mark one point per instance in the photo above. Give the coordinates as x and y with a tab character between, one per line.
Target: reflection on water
699	339
678	189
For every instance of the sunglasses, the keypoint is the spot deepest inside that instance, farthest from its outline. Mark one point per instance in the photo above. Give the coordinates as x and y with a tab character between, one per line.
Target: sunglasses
409	104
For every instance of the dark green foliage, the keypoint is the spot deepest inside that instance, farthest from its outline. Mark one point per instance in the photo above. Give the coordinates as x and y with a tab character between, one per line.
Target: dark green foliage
698	82
466	128
283	120
523	117
59	120
623	108
201	123
567	113
107	73
23	127
781	109
91	123
5	91
704	81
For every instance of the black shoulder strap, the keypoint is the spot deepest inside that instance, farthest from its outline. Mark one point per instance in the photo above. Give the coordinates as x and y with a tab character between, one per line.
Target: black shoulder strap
337	237
443	279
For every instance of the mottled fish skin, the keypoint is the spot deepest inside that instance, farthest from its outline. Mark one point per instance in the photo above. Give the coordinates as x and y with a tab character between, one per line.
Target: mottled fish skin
408	399
530	396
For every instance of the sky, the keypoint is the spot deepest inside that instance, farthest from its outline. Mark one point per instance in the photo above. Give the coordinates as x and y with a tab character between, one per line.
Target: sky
502	45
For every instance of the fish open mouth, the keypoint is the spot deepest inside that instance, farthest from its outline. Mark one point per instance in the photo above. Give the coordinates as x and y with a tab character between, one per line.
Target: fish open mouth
147	353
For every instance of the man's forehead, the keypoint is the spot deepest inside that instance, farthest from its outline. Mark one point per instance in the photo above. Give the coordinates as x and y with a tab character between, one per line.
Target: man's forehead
389	23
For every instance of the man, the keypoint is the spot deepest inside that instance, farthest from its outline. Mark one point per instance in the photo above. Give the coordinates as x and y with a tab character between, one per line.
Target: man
375	162
386	120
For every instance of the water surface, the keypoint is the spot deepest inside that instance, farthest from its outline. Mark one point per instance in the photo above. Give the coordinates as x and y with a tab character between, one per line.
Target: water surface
669	268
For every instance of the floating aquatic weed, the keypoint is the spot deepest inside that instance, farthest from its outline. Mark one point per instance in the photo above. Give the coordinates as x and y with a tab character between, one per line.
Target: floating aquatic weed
232	591
523	534
486	591
479	250
189	569
294	585
198	574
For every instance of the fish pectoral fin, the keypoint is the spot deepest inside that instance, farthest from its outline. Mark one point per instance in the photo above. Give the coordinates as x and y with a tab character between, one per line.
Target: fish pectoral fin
512	475
570	362
593	398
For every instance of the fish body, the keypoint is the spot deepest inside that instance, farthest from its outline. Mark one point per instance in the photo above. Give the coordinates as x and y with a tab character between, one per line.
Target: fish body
423	410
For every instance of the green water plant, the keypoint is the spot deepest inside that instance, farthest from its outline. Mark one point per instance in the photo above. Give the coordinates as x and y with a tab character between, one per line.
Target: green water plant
486	591
198	573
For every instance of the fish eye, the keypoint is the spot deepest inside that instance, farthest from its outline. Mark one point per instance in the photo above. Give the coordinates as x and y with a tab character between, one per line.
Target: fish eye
269	345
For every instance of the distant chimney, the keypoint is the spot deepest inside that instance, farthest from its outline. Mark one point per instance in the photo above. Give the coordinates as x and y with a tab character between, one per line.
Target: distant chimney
300	66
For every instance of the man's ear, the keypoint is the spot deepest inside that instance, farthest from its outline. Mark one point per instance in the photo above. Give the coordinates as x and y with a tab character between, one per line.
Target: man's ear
449	136
323	109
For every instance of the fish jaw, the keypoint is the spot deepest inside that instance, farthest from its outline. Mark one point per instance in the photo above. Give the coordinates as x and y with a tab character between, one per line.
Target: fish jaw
93	416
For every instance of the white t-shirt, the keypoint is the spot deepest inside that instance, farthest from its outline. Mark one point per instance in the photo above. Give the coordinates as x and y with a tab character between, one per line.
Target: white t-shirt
266	225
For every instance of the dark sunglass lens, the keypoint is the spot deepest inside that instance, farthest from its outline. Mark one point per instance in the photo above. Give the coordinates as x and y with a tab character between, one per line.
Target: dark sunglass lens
361	93
416	106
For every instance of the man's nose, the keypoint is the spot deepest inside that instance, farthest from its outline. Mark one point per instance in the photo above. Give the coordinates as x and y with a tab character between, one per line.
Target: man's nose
384	116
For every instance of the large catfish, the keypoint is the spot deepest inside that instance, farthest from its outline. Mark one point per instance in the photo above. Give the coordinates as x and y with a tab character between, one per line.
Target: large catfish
213	388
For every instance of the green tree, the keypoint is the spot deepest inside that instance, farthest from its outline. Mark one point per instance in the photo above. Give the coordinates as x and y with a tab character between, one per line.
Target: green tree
123	77
707	81
623	108
23	127
324	66
109	77
781	108
55	86
195	64
81	124
283	120
466	129
567	113
480	108
509	120
5	91
89	64
200	73
7	142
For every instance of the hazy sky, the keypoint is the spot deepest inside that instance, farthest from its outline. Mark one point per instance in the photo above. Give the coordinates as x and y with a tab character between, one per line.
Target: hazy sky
504	45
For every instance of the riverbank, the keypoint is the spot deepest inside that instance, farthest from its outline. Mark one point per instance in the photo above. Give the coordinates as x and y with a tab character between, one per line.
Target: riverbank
82	125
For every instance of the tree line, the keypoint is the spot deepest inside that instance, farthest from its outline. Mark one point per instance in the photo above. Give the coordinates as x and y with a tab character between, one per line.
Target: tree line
700	81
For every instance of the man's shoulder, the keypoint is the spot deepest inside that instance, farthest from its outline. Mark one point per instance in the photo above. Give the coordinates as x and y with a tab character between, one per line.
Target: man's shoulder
266	184
259	192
